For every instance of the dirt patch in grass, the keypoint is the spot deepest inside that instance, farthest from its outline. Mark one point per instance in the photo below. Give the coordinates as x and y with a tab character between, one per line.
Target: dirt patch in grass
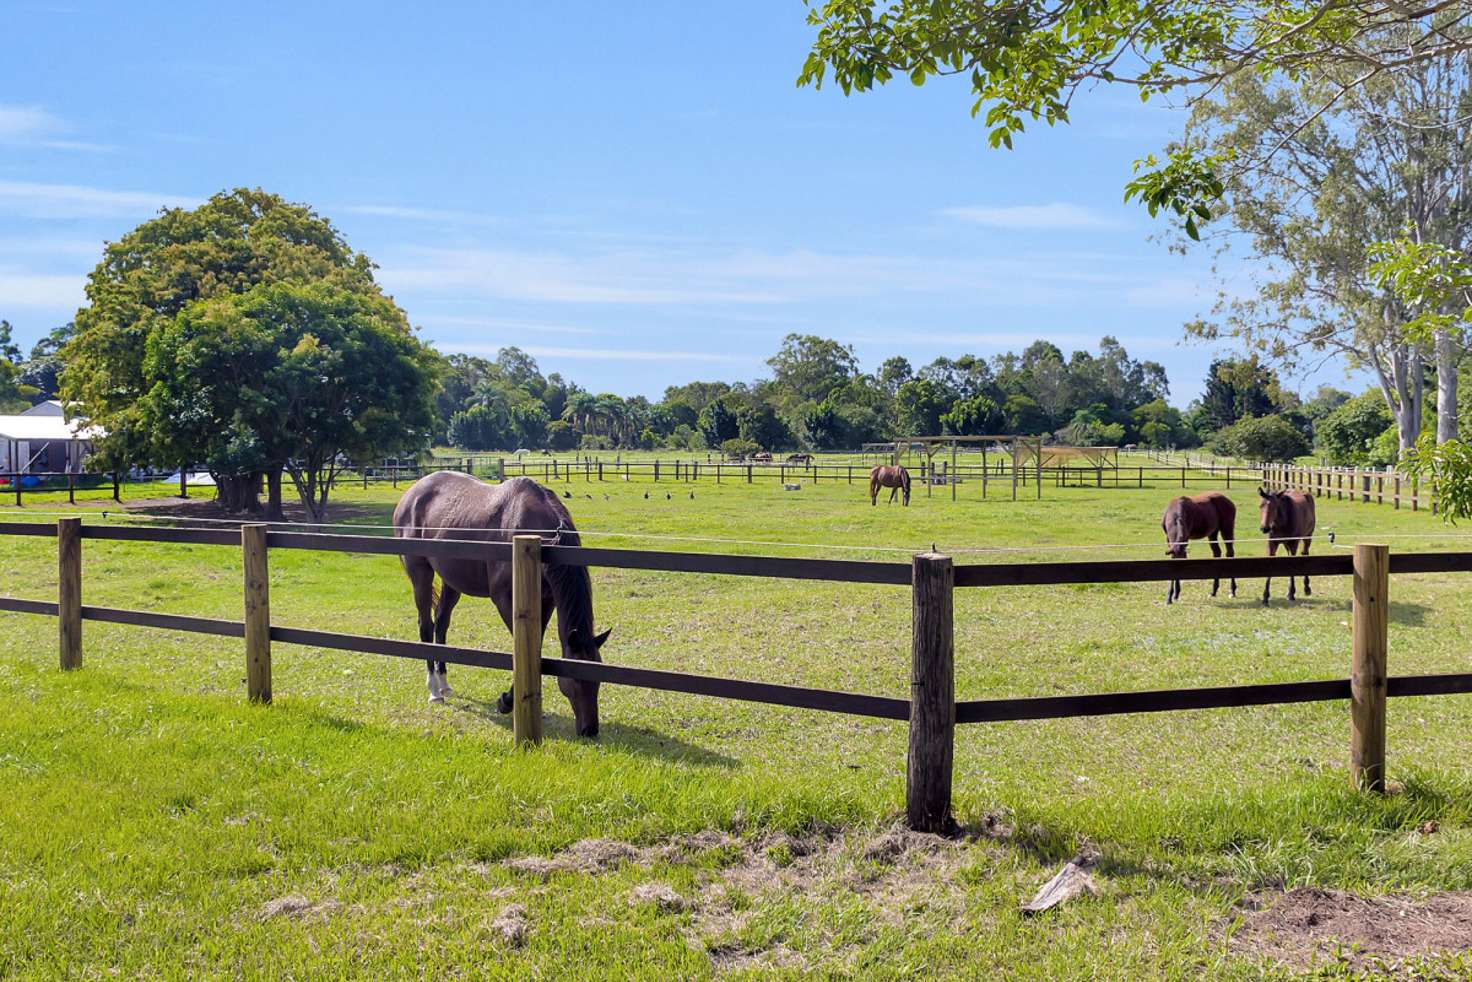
892	872
512	924
1307	925
295	905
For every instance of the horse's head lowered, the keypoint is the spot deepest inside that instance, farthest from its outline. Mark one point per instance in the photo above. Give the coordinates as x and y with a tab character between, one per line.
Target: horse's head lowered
1176	538
1275	512
582	646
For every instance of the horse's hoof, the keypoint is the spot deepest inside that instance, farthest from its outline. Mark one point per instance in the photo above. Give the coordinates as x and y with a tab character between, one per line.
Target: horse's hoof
436	698
445	692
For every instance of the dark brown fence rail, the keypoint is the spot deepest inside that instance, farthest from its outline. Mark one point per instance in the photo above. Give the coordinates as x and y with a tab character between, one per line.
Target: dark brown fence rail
932	647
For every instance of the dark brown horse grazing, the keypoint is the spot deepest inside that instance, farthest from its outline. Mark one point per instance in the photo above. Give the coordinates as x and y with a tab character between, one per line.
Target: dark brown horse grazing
1287	518
889	476
451	505
1204	516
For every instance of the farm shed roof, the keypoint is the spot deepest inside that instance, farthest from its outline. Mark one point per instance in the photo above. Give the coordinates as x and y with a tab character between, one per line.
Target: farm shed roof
47	428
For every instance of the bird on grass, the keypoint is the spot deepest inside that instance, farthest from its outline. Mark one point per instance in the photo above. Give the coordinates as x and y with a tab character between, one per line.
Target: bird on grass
646	495
668	496
567	494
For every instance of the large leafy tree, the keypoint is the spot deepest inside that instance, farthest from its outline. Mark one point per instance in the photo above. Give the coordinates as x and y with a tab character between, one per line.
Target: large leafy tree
300	375
228	246
1239	387
1026	61
807	367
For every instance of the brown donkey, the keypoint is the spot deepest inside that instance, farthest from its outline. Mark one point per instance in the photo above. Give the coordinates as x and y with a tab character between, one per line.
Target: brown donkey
1287	520
1204	516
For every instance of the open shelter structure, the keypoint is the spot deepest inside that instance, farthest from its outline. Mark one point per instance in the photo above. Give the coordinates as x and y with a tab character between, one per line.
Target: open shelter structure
1021	449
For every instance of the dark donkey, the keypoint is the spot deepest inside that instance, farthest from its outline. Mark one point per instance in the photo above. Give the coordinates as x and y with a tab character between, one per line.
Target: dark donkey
451	505
1288	520
1204	516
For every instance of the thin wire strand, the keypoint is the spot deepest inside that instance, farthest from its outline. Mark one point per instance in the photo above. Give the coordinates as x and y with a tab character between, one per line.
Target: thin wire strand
1330	533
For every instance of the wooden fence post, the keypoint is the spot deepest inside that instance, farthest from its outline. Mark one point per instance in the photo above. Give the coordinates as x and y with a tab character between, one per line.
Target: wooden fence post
257	613
69	592
1367	681
932	695
526	633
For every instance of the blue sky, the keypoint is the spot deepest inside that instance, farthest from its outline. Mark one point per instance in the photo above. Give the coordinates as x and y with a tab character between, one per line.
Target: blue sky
637	193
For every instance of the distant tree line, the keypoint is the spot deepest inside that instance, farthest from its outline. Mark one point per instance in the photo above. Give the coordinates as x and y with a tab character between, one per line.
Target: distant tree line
247	337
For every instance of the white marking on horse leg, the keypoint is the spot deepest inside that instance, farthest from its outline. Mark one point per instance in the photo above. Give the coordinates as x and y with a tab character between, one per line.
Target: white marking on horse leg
444	685
434	688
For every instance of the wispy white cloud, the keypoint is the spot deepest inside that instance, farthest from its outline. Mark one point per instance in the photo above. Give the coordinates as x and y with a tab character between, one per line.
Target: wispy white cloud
608	354
608	278
41	291
460	322
439	216
983	341
34	126
34	200
759	280
1050	217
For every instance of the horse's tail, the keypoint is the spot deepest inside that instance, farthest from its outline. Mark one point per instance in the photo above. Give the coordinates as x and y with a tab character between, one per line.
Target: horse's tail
905	478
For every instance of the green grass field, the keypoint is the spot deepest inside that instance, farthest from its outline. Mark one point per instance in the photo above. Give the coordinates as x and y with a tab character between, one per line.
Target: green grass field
153	824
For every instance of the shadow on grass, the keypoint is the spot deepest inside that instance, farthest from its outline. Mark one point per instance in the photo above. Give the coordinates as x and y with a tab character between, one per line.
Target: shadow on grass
638	739
1325	827
367	513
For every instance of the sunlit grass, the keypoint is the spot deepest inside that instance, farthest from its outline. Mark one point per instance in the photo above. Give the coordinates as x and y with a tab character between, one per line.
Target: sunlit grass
149	814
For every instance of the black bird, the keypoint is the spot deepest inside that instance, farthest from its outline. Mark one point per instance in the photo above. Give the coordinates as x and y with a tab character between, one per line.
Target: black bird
567	494
668	496
646	495
692	495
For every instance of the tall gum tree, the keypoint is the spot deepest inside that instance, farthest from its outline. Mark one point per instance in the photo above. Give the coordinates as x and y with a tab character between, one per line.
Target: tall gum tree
1388	158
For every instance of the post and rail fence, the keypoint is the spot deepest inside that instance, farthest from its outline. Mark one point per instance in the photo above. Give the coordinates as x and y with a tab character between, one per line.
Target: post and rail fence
988	479
1360	484
931	709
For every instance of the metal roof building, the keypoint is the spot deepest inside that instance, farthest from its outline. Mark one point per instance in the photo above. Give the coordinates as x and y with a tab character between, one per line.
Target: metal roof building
41	440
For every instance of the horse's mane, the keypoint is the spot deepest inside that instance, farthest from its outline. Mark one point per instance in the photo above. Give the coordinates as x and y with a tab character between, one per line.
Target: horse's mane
572	587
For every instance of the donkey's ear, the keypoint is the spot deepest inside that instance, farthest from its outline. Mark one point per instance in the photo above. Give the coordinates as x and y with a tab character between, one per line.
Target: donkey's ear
1263	492
598	641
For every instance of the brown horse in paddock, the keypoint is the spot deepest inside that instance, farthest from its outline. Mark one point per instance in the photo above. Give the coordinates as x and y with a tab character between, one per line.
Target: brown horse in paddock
1204	516
889	476
1287	518
451	505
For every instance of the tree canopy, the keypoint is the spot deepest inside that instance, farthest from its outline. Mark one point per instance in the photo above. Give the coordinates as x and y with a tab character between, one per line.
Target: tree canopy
266	294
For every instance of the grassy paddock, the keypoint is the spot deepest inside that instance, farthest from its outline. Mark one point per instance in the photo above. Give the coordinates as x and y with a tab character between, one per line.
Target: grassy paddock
154	824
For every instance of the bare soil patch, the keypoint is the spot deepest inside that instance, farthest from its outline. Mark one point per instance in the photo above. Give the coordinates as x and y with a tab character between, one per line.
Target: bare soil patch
1305	925
900	876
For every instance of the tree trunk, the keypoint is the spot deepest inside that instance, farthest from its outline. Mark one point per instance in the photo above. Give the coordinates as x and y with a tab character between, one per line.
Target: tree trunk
1446	387
274	511
238	492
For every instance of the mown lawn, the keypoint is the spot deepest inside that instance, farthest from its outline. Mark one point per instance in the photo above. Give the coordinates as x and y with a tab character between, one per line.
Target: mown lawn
153	824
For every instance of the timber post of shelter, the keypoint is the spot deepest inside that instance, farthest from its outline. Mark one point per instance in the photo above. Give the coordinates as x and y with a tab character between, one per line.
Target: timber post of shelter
69	591
1368	676
257	613
928	765
526	636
